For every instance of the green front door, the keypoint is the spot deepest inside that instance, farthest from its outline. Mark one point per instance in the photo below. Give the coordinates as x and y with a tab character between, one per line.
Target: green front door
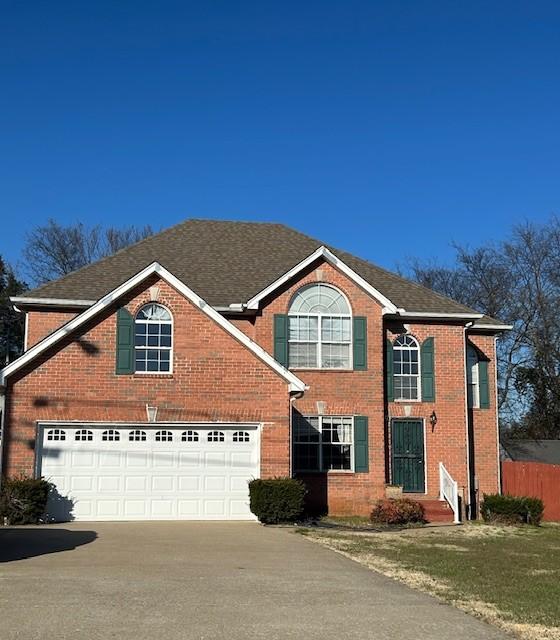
408	455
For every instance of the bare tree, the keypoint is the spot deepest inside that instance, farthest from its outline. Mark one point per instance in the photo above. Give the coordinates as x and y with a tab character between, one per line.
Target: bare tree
53	250
11	322
517	281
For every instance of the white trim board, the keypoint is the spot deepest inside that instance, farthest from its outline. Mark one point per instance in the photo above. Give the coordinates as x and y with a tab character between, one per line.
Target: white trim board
328	256
295	384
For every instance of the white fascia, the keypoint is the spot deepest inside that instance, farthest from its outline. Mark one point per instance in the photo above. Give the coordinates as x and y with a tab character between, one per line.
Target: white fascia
328	256
434	314
491	327
51	302
295	384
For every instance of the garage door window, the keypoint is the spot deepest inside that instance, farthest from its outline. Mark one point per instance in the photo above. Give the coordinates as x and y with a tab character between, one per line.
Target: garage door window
84	435
189	436
152	339
137	436
164	436
56	434
216	436
110	436
241	436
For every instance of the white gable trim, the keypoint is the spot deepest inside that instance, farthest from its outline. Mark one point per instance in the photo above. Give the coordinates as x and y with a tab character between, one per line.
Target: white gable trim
328	256
51	302
295	384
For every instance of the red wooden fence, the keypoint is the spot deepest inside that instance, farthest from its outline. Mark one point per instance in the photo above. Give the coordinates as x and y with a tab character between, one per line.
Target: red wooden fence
534	479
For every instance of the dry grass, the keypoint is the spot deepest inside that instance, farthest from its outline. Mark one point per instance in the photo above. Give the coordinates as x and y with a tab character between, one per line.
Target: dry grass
507	576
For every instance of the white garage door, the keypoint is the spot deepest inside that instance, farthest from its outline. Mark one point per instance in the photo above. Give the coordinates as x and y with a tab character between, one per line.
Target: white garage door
121	472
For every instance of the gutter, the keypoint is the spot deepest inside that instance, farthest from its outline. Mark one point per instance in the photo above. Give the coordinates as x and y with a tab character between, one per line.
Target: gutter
465	329
2	420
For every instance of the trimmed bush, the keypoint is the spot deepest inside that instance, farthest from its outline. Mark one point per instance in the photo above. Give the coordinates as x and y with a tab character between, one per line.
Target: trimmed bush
397	511
512	509
277	500
23	500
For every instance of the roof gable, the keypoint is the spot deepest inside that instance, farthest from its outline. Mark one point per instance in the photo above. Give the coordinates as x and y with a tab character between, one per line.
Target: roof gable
232	263
295	384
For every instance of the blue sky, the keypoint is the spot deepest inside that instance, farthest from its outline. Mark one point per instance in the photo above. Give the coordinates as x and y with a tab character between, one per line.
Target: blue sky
389	128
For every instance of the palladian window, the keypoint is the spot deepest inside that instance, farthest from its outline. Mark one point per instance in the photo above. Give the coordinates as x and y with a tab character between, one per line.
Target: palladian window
319	329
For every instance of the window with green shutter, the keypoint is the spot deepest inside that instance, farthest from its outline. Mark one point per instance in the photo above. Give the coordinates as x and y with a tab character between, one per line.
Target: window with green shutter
361	452
389	371
360	343
427	370
281	339
125	342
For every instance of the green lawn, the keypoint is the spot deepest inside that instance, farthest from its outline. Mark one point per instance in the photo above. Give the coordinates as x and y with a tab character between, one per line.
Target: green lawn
507	575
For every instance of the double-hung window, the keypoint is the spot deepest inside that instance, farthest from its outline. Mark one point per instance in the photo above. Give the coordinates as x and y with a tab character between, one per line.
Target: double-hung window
406	363
153	340
473	386
319	329
323	443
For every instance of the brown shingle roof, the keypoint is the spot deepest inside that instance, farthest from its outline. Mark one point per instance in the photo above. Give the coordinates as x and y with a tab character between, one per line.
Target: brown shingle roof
229	262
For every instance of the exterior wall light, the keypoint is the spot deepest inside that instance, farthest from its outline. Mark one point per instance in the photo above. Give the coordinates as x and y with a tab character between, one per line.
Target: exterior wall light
433	420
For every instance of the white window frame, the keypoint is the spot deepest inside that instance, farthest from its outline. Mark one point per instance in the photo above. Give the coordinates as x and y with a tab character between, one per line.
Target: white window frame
473	378
147	348
320	342
320	443
407	375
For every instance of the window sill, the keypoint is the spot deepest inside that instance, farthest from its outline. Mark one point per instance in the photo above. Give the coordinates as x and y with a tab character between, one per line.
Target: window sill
322	370
331	472
164	376
402	401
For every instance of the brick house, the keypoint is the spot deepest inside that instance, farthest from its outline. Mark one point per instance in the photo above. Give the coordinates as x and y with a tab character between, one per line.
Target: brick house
156	382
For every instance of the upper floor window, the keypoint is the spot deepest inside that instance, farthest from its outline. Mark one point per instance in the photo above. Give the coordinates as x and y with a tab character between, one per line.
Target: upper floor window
319	329
473	386
406	363
153	339
323	443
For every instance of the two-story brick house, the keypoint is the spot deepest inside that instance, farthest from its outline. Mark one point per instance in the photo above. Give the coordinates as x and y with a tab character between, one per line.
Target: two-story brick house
156	382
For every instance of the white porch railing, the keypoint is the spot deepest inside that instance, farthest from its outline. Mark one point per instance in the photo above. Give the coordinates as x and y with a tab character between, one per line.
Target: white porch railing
448	490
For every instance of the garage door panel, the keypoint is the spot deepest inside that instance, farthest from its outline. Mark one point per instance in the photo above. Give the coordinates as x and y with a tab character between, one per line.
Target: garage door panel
137	459
180	473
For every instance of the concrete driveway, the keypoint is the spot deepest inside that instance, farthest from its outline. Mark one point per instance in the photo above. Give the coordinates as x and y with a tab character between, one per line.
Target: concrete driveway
177	580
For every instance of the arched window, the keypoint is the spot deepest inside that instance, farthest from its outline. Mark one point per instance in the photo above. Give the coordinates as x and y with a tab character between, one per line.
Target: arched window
189	436
216	436
83	435
241	436
406	362
137	435
473	386
56	434
153	339
111	435
164	436
319	329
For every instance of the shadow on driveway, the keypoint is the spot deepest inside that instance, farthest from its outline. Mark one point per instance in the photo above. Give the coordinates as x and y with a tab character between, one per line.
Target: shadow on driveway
18	543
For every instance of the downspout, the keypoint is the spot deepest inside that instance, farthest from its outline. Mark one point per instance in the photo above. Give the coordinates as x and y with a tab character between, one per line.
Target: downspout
295	396
497	414
467	429
2	420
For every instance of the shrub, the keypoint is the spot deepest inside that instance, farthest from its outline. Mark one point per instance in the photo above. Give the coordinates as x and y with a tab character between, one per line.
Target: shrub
277	500
397	511
23	500
512	509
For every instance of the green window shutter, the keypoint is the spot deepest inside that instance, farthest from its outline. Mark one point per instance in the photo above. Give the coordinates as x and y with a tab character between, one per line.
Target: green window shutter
427	370
281	339
483	387
389	382
125	342
359	335
361	458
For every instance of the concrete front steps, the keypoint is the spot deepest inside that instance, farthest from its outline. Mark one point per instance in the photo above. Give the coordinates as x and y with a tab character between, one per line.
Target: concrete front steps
434	510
